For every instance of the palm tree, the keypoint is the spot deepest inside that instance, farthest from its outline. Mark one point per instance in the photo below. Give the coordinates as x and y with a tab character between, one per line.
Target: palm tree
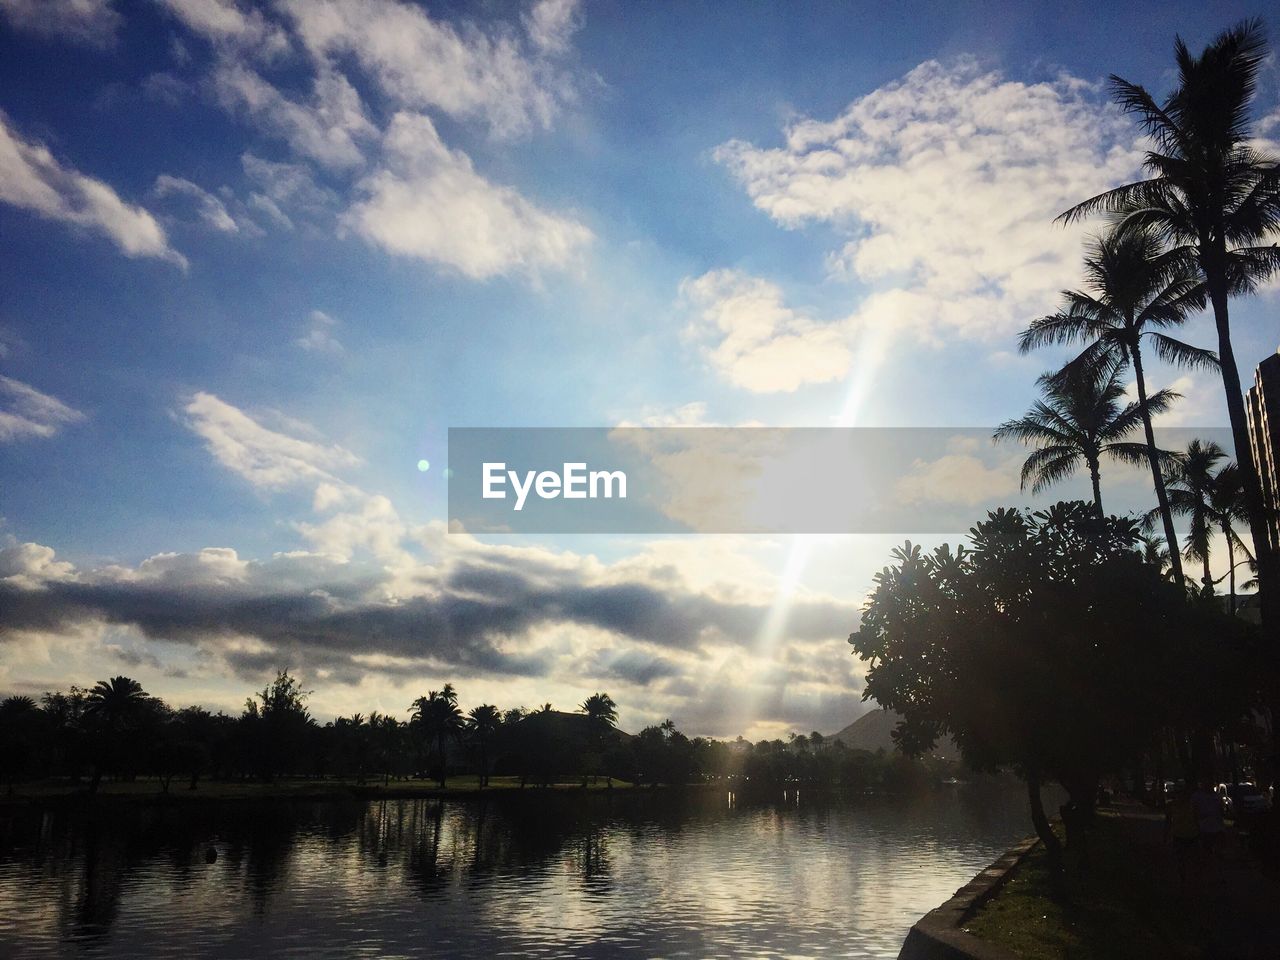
1214	199
1190	483
600	709
1229	509
602	716
438	717
1080	420
1155	551
116	702
1135	291
482	723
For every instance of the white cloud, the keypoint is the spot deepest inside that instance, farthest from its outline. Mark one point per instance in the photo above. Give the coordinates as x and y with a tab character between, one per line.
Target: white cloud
208	207
319	337
326	130
758	342
424	63
33	179
428	202
91	22
286	186
26	412
961	477
552	23
224	22
31	565
947	183
266	458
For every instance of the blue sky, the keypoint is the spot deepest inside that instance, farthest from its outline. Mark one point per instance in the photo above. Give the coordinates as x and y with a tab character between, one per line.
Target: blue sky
260	257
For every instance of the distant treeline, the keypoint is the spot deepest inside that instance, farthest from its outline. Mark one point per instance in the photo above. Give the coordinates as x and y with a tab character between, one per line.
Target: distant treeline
116	730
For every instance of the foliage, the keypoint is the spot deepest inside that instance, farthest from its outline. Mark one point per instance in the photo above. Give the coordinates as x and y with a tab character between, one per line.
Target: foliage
1049	646
1079	421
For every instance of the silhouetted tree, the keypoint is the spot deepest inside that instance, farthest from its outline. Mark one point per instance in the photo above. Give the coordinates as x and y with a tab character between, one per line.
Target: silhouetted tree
1191	481
1136	290
113	709
1214	199
1051	646
439	720
483	723
1079	421
276	726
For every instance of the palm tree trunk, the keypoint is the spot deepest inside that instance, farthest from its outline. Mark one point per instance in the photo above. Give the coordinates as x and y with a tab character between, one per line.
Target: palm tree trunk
1268	586
1157	476
440	750
1052	846
1097	484
1231	572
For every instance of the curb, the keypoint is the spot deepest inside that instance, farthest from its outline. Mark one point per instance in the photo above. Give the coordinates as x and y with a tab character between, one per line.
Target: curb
938	935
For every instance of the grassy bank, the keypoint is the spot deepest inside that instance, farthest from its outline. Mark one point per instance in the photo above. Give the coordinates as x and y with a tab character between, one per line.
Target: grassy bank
150	790
1127	903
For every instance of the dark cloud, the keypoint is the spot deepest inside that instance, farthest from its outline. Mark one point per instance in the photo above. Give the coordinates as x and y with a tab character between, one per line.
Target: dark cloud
475	622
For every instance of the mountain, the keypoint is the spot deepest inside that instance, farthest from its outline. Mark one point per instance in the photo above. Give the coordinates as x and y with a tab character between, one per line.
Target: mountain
872	731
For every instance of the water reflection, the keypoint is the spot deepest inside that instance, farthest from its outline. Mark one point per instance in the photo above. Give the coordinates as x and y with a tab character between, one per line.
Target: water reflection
555	875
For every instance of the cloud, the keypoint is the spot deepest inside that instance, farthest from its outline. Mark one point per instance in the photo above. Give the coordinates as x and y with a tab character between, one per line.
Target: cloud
422	63
90	22
962	476
266	458
946	183
26	412
286	187
33	179
552	23
479	610
428	202
30	566
756	341
327	129
208	207
224	23
319	337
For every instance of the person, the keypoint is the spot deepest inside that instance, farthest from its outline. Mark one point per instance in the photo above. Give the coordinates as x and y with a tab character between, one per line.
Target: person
1182	826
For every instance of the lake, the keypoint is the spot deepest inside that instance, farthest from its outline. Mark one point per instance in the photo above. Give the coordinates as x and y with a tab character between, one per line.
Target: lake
667	874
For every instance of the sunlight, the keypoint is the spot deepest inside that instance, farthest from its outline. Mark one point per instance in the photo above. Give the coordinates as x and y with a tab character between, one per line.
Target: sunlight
871	349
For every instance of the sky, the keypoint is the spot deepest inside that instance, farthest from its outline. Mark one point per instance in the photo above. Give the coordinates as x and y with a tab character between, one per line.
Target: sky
259	258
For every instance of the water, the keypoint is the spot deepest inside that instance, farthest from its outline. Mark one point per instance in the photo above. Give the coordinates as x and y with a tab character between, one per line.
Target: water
560	876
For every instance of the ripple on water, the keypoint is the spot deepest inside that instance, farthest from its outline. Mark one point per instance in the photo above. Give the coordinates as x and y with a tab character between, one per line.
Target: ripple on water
566	876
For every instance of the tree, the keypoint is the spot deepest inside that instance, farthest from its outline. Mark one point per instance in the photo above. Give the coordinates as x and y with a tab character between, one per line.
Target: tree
1214	199
483	723
600	710
1229	509
1049	646
1191	482
117	702
113	708
602	714
1135	291
23	727
438	718
1080	420
276	724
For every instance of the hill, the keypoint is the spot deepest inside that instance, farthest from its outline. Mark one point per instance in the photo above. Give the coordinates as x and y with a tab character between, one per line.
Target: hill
873	731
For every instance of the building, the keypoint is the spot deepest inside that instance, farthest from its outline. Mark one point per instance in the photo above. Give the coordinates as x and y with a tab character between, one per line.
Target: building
1264	438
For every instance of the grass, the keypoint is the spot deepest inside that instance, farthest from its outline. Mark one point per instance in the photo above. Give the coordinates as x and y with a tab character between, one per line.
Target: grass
1126	904
148	789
